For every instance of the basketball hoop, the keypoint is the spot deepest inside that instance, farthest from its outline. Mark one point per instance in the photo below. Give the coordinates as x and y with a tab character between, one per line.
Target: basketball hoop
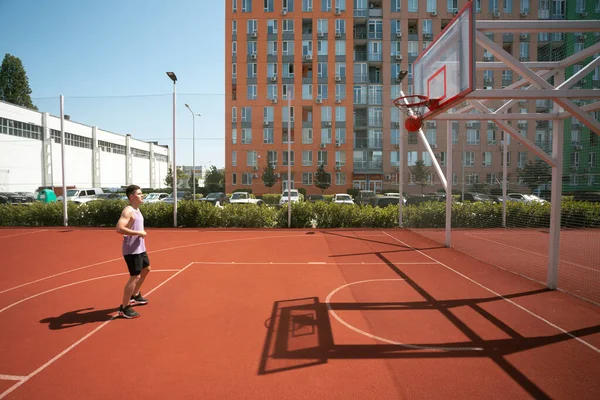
414	107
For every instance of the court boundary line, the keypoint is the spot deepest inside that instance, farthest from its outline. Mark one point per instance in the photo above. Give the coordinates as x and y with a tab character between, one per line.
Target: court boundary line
150	252
306	263
81	340
561	330
11	377
73	284
25	233
530	252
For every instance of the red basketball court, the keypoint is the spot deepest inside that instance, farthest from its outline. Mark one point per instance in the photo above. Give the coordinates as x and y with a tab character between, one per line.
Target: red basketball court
292	314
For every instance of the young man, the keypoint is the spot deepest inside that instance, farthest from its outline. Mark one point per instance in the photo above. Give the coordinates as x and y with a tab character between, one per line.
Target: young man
131	226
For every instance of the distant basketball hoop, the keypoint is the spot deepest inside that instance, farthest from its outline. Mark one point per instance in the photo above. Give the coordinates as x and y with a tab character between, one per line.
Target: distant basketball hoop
414	107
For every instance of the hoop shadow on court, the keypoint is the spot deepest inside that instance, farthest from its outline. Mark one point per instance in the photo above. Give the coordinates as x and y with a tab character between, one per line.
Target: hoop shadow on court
299	334
79	317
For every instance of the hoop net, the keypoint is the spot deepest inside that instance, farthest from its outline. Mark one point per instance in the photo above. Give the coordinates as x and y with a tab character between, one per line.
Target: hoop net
414	108
415	104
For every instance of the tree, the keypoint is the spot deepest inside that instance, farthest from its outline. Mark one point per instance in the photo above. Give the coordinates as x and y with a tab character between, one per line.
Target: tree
322	178
420	174
14	85
169	178
214	179
268	176
535	174
479	187
192	182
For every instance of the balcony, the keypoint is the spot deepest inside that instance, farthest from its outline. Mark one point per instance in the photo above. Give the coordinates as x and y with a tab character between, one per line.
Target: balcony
361	13
375	57
360	122
360	100
367	166
376	121
363	143
360	55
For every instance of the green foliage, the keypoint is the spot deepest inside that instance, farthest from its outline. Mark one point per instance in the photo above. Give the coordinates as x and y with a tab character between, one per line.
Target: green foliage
214	179
268	176
181	176
302	191
420	174
353	192
535	174
324	214
322	179
14	84
271	199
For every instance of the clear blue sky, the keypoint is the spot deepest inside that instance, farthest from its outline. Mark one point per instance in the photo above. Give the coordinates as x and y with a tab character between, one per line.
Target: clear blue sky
109	59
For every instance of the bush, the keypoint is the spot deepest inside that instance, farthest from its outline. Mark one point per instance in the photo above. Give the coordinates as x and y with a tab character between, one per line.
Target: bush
302	191
271	199
198	214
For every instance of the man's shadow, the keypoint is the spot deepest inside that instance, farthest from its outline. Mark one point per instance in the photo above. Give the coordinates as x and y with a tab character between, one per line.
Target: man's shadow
79	317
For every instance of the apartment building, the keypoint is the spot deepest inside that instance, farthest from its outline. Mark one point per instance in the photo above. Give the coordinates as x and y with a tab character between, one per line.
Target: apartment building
337	63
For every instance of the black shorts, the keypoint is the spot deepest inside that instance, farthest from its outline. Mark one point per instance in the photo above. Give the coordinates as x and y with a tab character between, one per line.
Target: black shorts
136	262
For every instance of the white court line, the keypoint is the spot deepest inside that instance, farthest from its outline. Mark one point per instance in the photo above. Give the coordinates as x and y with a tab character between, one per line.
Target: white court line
75	283
11	377
531	252
71	347
307	263
502	297
150	252
25	233
382	339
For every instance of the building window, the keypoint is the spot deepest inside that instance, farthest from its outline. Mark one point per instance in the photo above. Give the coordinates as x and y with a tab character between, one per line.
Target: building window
307	178
234	136
246	178
246	6
307	5
234	179
268	5
272	158
246	136
251	93
234	158
286	158
307	135
469	158
340	178
307	158
251	159
268	136
487	159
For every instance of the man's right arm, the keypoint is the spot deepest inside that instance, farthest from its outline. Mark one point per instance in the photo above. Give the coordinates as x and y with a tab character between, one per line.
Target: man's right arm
122	228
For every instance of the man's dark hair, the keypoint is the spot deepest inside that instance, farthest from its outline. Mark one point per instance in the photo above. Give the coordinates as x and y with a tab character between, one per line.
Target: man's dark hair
131	189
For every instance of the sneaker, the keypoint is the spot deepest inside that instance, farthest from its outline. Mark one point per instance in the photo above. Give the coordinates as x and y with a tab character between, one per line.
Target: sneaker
127	312
138	300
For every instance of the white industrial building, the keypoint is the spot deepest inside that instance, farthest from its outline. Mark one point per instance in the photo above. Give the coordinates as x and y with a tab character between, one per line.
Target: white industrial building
30	154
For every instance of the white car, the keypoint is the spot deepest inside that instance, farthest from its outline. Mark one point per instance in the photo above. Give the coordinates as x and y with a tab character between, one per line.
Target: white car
155	197
293	196
343	198
524	198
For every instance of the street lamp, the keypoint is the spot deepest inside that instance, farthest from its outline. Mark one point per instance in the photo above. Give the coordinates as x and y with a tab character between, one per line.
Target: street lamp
193	148
174	169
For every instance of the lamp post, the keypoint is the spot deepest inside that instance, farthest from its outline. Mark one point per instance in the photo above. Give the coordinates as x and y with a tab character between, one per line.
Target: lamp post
193	148
173	77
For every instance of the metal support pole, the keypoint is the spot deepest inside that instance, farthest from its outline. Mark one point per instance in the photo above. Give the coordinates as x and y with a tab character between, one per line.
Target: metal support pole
62	159
504	177
449	184
400	172
464	159
289	160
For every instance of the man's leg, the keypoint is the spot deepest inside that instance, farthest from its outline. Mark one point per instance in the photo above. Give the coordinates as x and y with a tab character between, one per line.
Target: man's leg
142	276
129	288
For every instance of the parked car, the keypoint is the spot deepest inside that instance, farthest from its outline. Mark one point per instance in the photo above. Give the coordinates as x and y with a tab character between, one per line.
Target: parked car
109	196
13	198
524	198
364	196
244	198
216	198
423	198
155	197
394	194
81	195
343	198
180	196
384	201
311	198
292	195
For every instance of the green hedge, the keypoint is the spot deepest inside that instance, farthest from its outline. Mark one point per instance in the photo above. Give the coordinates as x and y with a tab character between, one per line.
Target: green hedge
304	215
